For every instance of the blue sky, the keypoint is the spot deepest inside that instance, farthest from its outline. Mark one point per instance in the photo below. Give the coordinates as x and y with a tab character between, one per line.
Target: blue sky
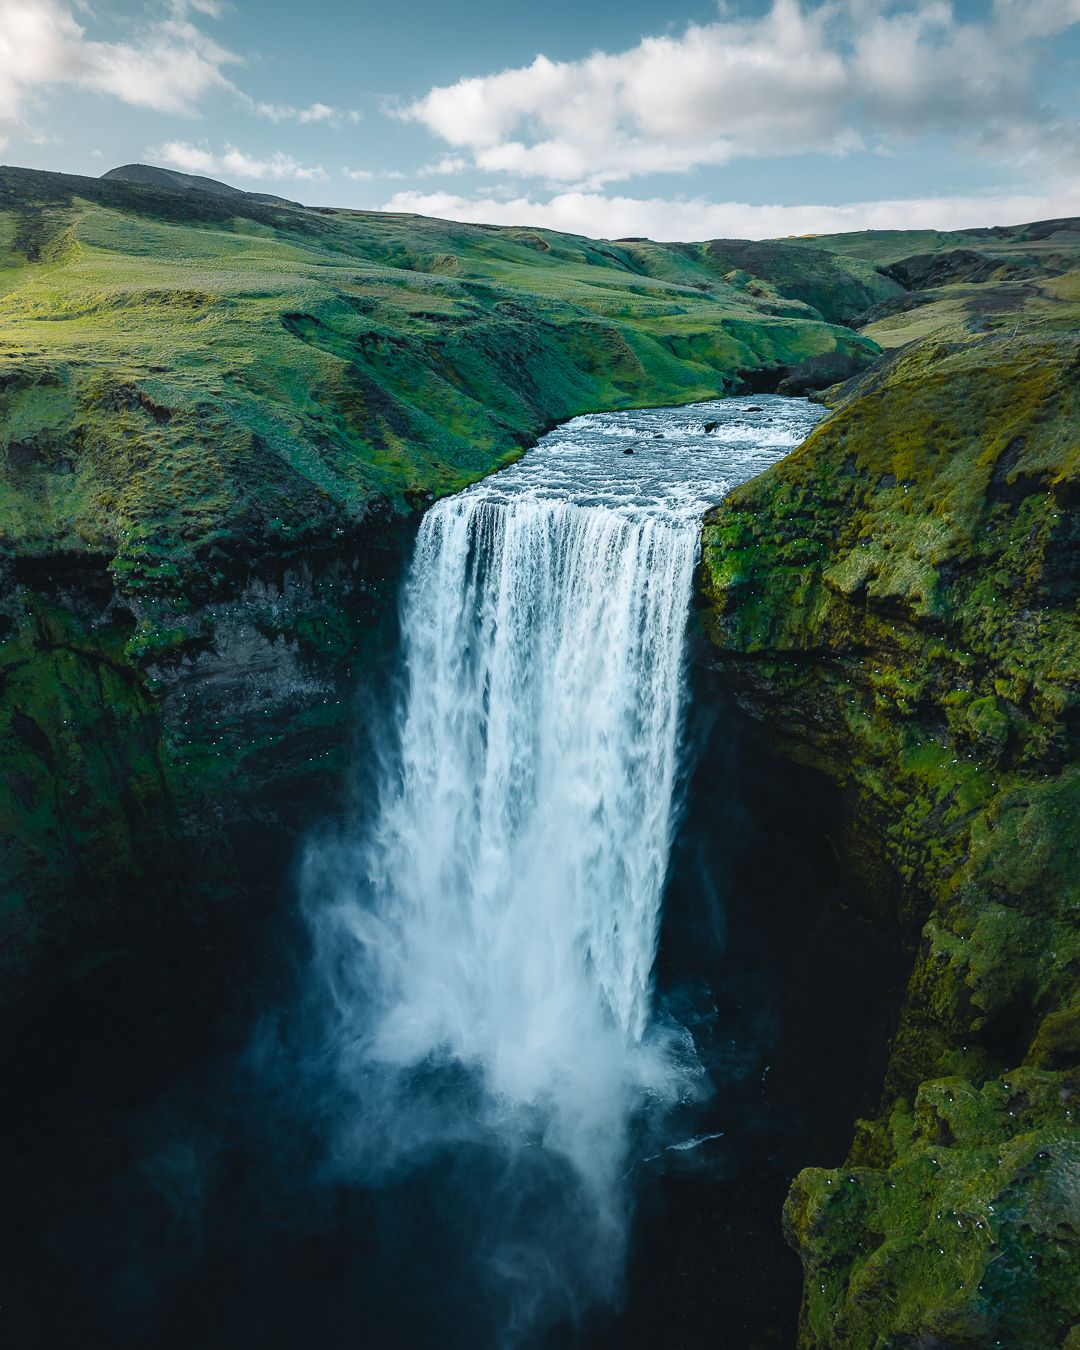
685	120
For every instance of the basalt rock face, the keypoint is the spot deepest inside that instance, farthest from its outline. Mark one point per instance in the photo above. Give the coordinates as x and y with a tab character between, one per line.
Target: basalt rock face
160	761
897	605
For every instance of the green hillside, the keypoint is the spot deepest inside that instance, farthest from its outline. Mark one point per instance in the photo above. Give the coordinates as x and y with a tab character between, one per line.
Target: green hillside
180	379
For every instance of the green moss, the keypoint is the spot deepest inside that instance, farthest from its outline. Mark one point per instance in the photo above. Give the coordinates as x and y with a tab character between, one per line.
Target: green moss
1057	1041
898	602
969	1236
82	786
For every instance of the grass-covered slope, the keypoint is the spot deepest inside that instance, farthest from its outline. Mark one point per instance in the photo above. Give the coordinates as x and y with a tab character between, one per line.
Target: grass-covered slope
183	375
886	248
899	602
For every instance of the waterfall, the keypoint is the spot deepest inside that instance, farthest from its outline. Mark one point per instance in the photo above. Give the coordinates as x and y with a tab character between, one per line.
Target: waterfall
489	937
519	858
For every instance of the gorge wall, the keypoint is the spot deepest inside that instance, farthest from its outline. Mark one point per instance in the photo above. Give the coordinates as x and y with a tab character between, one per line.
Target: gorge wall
896	603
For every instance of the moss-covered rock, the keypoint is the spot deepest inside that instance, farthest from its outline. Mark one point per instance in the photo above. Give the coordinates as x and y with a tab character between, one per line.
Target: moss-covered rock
153	752
898	603
971	1237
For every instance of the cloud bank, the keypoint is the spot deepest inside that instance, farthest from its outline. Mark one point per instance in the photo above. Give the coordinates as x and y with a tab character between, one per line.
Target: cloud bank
314	112
601	216
168	65
831	78
234	163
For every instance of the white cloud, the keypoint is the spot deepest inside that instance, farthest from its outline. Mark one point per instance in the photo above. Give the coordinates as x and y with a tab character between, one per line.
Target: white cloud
1036	18
167	65
317	112
370	175
600	216
1048	149
449	164
919	69
314	112
182	8
789	81
234	163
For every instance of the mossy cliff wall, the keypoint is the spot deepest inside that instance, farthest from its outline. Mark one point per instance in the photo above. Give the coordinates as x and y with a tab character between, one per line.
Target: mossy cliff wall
158	760
897	604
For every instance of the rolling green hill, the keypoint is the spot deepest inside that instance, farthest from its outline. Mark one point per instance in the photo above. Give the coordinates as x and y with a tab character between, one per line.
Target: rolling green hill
185	373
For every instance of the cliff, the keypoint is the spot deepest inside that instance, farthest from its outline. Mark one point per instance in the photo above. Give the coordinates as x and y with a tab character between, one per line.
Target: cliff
896	604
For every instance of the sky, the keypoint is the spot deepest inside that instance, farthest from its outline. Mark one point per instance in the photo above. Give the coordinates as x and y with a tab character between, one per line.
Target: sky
688	119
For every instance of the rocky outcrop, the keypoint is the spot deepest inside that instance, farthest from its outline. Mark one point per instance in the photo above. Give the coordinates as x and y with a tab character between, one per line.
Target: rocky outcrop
159	760
896	604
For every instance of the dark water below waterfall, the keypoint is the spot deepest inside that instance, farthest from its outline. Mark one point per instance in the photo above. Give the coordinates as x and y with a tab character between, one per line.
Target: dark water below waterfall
557	1016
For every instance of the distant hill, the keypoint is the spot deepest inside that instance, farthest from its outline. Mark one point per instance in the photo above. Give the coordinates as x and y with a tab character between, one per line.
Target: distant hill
152	176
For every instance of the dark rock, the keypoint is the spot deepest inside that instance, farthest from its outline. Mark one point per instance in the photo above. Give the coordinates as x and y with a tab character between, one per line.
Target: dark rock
818	372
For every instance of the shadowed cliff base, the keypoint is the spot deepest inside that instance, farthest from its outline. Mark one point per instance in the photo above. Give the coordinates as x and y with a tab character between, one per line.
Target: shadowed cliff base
170	1181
